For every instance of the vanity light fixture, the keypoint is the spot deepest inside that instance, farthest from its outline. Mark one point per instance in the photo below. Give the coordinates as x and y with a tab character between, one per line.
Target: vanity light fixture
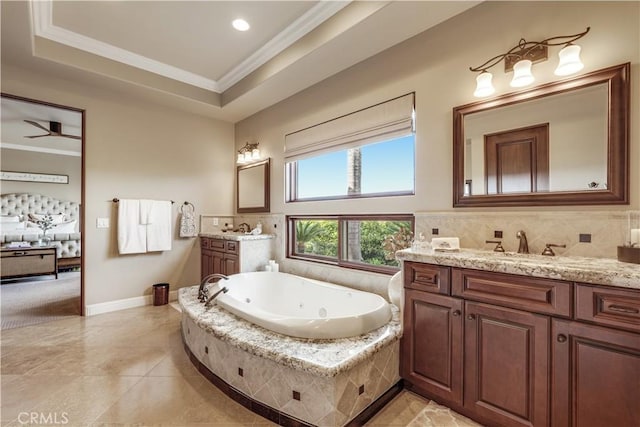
521	58
248	153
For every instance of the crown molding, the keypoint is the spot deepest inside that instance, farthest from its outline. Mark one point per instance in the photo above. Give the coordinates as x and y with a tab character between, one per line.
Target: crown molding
300	27
42	26
42	13
9	146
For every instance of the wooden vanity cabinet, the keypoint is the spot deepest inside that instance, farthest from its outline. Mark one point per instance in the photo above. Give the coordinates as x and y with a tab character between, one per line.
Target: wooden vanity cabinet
219	256
511	350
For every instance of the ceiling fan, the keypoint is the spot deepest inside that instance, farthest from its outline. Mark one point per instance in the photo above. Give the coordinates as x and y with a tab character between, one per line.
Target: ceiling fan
55	129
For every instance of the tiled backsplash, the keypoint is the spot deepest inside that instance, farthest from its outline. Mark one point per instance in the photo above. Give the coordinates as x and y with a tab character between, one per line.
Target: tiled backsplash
607	230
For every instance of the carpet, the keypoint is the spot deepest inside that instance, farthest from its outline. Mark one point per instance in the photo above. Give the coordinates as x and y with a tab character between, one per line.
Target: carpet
35	300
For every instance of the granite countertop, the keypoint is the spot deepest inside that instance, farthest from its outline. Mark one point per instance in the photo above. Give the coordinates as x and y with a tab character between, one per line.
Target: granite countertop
599	271
319	357
234	235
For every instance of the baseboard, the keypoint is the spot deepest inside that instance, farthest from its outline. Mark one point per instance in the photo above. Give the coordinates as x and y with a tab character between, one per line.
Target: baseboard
123	304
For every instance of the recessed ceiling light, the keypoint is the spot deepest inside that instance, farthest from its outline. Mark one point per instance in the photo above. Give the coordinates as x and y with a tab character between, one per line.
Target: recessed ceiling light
240	25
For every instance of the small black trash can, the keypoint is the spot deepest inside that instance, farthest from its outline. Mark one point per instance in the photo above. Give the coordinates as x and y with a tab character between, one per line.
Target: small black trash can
160	293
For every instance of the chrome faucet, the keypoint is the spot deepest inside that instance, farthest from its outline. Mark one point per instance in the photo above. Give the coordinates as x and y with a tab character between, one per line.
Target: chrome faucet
523	247
212	297
203	292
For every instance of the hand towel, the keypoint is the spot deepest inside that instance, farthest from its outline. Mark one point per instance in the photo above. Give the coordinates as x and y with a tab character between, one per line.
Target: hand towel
158	215
396	293
188	222
132	236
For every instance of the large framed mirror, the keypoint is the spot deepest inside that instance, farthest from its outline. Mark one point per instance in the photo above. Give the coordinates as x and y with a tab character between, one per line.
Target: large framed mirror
253	187
562	143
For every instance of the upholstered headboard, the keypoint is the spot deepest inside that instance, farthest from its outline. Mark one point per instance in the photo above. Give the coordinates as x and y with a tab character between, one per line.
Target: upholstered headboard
25	203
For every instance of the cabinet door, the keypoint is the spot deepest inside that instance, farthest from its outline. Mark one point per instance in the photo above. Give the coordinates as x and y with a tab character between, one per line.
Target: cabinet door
231	264
596	376
206	263
432	345
506	365
217	262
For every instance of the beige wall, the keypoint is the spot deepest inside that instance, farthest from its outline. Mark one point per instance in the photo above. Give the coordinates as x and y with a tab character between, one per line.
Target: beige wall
30	161
135	149
435	65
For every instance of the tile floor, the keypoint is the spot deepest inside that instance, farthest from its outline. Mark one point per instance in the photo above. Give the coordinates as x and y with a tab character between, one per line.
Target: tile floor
129	367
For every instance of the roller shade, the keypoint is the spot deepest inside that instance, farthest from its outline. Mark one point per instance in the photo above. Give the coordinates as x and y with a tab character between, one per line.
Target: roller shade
381	122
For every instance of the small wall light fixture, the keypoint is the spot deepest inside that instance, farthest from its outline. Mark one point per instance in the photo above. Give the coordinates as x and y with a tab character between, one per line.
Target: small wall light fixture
249	153
521	58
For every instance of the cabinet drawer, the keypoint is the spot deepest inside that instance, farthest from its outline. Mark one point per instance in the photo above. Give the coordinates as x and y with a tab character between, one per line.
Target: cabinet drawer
426	277
29	265
231	247
610	307
204	242
529	293
216	244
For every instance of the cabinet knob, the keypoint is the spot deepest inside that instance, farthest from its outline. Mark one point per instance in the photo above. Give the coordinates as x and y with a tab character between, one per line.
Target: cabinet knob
562	338
456	313
471	317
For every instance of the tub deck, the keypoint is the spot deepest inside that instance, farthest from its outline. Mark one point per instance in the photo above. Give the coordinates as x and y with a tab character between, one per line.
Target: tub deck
326	358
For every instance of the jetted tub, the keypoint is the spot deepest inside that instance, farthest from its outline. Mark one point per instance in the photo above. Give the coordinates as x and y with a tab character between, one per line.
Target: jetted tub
301	307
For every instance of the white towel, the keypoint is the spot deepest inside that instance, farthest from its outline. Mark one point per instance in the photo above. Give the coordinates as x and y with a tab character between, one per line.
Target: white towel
132	236
396	293
158	215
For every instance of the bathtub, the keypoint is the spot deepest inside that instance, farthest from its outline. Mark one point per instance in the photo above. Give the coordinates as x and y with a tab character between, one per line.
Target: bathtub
301	307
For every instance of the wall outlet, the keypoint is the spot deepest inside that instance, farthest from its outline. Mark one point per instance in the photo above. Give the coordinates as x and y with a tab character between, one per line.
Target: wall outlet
215	221
102	222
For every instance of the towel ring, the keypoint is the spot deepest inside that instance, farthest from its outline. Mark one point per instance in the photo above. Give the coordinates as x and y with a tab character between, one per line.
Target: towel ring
187	204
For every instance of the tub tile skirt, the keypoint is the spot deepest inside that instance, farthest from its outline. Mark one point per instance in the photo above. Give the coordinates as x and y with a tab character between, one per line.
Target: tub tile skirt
312	399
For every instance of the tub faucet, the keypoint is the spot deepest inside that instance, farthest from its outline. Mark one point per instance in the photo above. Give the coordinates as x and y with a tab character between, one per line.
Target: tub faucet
212	297
203	292
523	248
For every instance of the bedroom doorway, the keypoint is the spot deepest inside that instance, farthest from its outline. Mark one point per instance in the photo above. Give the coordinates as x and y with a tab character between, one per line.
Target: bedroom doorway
42	190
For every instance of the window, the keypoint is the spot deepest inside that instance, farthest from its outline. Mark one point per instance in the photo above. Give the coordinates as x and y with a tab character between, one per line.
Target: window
366	242
367	153
379	169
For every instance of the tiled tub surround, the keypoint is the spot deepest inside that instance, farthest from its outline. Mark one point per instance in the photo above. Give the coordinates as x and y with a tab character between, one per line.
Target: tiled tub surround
600	271
321	382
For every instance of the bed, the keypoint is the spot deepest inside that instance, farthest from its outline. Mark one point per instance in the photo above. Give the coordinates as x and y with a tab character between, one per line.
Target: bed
19	214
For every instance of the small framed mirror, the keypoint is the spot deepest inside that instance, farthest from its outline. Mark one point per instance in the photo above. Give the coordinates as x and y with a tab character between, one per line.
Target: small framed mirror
561	143
253	187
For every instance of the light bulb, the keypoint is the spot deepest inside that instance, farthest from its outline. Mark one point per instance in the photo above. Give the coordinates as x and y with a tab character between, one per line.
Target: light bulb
522	73
484	87
569	61
240	158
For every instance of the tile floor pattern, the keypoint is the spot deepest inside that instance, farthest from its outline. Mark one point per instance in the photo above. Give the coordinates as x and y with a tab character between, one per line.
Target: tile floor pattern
129	368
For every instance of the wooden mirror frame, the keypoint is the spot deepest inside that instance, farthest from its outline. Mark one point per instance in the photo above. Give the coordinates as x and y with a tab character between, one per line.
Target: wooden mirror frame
267	185
617	193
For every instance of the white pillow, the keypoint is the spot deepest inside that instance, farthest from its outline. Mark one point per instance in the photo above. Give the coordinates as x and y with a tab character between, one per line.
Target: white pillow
12	226
57	218
65	227
9	218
